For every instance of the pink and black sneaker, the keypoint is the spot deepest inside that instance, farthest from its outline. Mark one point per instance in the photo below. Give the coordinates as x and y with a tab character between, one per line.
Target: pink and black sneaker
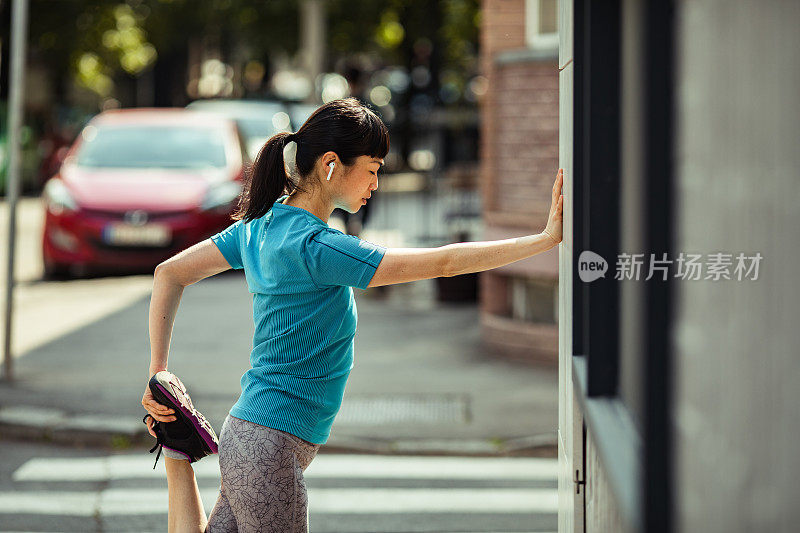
191	434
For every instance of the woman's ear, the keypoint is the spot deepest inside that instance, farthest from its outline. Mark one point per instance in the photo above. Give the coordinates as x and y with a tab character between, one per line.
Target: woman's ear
328	158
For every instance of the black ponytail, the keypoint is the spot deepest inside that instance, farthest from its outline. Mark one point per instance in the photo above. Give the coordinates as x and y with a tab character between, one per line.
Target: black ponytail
266	180
346	127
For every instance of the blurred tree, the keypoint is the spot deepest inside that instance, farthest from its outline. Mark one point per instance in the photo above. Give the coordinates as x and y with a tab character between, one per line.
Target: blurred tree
443	33
436	43
107	45
261	29
104	45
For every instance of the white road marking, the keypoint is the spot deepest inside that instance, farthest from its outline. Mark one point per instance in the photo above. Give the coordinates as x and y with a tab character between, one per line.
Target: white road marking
49	503
409	467
329	501
343	500
324	466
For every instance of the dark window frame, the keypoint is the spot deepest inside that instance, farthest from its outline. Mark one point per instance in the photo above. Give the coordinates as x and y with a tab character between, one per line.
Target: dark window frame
659	27
636	463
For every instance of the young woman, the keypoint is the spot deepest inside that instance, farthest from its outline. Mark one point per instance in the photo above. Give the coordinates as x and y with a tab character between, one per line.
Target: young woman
301	273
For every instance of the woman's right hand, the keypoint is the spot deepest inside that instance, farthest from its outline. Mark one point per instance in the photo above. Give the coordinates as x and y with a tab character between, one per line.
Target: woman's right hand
555	218
157	411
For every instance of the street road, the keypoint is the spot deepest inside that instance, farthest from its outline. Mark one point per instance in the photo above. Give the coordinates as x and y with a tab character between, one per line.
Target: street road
45	311
46	488
421	381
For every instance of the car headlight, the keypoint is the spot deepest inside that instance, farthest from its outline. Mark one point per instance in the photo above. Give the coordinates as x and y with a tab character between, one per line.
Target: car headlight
221	194
57	197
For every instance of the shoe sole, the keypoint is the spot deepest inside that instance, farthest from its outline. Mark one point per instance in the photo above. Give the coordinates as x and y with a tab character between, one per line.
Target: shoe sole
180	401
178	451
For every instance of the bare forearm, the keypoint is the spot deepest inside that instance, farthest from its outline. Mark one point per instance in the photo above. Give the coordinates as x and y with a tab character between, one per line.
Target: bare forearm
468	257
163	307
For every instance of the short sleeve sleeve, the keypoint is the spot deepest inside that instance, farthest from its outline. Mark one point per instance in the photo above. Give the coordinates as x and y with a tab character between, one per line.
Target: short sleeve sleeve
229	243
334	258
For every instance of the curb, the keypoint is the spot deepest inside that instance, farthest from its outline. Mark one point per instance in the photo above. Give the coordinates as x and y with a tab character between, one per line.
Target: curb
80	431
534	446
34	424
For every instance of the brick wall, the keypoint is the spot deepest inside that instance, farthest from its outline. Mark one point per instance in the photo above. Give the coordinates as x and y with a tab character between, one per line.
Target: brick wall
525	141
519	160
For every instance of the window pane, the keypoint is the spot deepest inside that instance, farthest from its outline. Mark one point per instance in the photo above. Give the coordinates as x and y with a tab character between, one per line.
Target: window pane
534	300
548	19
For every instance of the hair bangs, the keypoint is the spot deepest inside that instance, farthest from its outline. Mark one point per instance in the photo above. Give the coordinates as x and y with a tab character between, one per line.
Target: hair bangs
376	136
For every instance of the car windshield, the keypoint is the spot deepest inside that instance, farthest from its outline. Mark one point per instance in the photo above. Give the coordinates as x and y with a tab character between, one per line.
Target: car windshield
300	113
151	147
256	118
256	128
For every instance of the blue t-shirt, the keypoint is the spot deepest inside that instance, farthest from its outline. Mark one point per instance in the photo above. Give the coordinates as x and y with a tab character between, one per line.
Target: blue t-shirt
301	273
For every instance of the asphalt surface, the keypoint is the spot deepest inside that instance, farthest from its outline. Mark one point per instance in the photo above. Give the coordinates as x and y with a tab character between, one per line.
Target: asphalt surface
420	376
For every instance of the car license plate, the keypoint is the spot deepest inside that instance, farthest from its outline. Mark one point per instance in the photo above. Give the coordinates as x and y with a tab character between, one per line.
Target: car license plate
130	235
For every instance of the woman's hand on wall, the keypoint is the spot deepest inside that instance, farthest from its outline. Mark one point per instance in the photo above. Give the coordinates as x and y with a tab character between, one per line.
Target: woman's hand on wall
555	218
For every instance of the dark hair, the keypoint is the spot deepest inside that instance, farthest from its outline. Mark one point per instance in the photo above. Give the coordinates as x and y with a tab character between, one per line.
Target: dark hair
344	126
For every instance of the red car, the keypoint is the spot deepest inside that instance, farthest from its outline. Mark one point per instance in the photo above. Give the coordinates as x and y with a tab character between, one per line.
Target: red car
138	186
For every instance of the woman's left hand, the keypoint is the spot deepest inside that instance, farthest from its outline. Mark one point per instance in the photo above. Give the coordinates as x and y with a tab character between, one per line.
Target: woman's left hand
159	412
555	218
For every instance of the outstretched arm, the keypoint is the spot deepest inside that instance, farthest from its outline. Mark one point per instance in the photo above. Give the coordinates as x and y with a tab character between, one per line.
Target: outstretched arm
400	265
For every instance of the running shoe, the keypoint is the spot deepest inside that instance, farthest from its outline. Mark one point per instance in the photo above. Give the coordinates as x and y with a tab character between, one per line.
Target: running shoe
191	434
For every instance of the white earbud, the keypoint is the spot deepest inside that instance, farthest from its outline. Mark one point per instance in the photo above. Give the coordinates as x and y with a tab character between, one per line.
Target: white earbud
331	164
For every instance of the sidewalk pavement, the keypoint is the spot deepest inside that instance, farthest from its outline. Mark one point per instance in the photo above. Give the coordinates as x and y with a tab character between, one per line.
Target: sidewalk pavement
422	383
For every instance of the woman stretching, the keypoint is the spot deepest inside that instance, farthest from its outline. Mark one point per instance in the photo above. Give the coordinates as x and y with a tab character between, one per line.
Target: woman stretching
301	273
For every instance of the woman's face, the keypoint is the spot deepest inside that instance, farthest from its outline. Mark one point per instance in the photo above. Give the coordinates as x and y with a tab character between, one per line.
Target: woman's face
358	182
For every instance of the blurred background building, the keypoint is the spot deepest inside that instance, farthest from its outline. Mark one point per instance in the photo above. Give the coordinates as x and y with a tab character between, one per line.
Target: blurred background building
519	160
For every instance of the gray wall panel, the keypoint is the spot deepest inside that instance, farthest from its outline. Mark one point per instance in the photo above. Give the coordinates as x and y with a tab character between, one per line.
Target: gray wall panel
736	342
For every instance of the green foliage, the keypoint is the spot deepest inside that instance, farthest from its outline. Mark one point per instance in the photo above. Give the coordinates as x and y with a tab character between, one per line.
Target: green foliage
390	33
390	30
99	43
459	32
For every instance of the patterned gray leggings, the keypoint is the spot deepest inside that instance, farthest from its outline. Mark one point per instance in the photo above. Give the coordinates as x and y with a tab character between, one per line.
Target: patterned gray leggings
262	480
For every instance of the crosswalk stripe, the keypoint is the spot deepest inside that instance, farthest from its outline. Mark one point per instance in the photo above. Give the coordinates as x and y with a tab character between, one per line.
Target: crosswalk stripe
329	501
359	501
49	503
324	466
372	466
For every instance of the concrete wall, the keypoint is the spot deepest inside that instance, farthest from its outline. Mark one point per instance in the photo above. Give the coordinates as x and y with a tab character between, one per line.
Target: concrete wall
570	423
736	342
519	158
